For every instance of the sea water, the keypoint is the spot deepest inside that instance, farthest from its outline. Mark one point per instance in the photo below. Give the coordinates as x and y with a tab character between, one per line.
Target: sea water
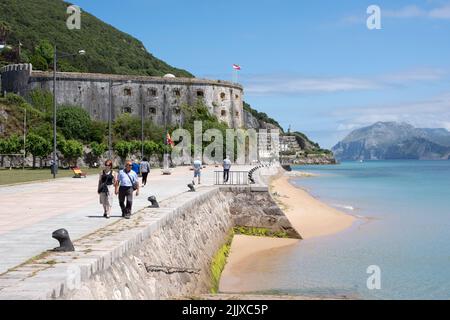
403	229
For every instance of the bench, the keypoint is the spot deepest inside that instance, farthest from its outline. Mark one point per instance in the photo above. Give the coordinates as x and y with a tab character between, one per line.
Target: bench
78	173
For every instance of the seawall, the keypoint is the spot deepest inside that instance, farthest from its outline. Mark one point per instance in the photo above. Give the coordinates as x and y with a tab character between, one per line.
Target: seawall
158	254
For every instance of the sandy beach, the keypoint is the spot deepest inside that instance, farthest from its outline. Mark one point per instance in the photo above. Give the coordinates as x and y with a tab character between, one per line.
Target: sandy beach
250	256
309	216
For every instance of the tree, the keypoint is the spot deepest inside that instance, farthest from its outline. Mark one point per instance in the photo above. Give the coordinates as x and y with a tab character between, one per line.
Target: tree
150	148
123	149
39	62
98	131
38	147
10	146
46	50
74	122
97	150
71	150
128	127
5	29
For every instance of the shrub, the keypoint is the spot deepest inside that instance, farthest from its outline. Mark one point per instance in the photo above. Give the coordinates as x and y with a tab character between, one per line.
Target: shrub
71	150
42	100
123	148
128	127
38	62
45	50
14	99
74	123
150	148
98	131
98	148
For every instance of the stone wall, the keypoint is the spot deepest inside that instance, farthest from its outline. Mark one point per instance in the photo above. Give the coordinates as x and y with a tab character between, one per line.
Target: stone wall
158	254
156	98
15	78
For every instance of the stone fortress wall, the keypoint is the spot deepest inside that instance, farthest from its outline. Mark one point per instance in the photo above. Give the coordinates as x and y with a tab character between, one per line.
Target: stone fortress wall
156	98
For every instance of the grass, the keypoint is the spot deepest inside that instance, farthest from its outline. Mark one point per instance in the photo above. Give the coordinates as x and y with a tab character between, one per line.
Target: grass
218	263
220	258
29	175
260	232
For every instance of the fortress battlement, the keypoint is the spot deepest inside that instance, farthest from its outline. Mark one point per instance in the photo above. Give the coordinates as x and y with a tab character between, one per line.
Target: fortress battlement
158	99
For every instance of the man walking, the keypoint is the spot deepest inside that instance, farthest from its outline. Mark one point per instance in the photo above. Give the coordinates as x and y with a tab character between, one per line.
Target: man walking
127	183
226	169
197	169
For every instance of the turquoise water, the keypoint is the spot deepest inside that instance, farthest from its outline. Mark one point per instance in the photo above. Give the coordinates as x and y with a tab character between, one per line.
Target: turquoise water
404	229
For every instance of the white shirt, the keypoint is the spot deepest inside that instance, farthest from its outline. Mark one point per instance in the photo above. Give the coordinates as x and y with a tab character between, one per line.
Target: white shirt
197	165
125	181
227	164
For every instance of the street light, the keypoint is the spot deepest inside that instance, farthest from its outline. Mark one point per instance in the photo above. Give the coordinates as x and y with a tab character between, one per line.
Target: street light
55	59
111	85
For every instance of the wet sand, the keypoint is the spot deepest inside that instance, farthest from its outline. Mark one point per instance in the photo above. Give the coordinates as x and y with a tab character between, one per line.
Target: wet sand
249	255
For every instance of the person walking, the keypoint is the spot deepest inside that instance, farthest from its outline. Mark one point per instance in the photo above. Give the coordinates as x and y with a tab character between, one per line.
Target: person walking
197	169
127	182
226	169
106	184
145	170
135	167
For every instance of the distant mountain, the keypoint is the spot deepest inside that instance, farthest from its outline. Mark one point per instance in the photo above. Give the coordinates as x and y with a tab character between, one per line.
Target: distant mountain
393	140
108	50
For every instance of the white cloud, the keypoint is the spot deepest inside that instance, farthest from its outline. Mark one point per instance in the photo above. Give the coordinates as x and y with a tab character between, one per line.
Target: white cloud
407	12
440	13
419	74
411	11
292	84
432	113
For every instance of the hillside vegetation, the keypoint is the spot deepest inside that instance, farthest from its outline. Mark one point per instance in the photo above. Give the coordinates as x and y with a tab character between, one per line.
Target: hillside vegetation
38	23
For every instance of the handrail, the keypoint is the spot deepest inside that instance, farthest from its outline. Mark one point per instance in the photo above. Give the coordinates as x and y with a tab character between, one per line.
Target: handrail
236	178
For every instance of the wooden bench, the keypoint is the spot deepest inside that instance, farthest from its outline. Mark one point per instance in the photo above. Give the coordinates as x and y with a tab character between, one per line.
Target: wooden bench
78	173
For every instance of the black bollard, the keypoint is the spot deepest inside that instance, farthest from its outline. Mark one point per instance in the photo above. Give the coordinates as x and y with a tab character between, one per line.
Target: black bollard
65	244
154	202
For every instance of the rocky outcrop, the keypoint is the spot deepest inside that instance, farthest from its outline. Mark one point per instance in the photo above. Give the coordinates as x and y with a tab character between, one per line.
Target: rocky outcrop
251	122
392	140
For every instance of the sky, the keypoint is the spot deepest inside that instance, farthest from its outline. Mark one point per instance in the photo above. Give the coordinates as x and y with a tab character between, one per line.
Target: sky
313	66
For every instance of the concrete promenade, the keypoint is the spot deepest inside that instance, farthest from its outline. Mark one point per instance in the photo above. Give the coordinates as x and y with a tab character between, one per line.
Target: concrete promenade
31	212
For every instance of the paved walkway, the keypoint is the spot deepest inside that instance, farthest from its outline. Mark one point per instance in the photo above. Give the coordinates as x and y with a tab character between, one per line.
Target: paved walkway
31	212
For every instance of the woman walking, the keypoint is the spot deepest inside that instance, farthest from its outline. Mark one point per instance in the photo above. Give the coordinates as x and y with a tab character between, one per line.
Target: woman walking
145	170
106	183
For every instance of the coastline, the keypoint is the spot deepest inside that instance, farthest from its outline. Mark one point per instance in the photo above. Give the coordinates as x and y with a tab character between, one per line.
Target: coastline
310	217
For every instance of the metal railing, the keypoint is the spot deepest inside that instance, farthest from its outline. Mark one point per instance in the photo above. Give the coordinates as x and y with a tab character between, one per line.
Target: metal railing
235	178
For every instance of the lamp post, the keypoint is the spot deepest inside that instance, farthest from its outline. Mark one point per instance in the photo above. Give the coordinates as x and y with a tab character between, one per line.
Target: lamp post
142	131
55	62
111	85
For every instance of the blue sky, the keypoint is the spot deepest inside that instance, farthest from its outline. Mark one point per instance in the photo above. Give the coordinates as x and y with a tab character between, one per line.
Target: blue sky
313	65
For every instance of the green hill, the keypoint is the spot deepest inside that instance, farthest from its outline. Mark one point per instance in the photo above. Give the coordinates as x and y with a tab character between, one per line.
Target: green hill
108	49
